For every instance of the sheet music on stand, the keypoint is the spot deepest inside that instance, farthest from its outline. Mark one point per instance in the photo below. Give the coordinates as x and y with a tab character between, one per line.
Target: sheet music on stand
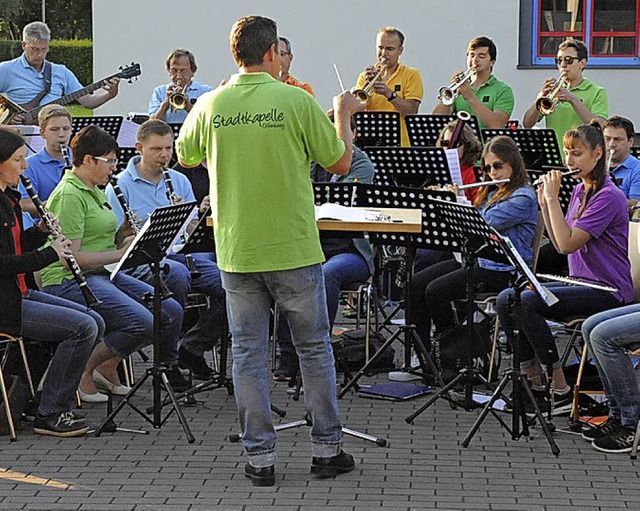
110	123
538	146
157	235
201	238
566	186
377	128
424	129
413	167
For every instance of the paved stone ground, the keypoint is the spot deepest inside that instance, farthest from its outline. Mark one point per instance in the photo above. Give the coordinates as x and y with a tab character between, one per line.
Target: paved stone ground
424	466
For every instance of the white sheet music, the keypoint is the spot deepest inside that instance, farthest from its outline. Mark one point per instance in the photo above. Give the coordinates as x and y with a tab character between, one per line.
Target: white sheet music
454	166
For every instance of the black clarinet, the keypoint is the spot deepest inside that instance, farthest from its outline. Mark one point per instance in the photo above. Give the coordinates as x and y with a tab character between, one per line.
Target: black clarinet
173	199
128	213
55	231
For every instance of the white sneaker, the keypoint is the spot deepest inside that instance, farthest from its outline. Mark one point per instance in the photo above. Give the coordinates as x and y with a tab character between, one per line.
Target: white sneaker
403	376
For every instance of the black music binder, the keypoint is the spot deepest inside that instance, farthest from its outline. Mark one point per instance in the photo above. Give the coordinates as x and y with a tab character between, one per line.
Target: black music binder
201	238
538	147
377	128
413	167
424	129
110	123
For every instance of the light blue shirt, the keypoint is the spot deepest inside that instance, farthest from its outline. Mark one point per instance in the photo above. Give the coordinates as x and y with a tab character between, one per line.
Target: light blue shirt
143	196
194	91
44	172
629	172
21	83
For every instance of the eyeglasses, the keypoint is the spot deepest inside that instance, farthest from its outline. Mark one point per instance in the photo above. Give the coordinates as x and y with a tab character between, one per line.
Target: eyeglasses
36	50
109	161
567	59
497	165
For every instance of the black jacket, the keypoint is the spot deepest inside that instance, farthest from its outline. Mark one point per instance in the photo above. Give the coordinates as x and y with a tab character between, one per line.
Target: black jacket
11	264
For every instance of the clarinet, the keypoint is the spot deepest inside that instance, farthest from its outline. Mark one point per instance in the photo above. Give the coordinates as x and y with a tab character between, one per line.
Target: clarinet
55	231
173	199
128	213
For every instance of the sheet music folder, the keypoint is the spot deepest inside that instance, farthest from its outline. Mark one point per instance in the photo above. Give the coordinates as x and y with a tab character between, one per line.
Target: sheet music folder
157	235
201	238
394	391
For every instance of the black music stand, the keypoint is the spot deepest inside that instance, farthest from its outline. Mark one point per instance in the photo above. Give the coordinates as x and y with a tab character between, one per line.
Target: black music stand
110	123
153	241
566	186
476	239
377	128
520	388
413	167
539	147
424	129
175	128
124	155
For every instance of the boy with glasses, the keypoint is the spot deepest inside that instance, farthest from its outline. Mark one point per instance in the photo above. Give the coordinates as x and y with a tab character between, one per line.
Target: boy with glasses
579	101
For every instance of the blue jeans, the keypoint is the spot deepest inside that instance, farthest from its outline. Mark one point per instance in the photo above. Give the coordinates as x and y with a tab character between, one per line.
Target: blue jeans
75	330
127	316
426	257
338	271
538	339
300	295
606	334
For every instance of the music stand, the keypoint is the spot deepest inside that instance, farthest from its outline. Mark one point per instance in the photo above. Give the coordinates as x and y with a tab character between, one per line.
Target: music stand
110	123
538	146
520	388
150	246
377	128
566	186
635	151
424	129
413	167
476	239
124	155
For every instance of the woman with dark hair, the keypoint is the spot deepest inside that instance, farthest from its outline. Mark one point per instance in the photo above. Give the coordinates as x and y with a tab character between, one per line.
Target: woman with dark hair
594	233
35	315
508	207
87	220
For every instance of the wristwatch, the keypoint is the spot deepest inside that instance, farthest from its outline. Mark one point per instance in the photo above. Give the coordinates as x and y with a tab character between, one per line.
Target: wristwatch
393	96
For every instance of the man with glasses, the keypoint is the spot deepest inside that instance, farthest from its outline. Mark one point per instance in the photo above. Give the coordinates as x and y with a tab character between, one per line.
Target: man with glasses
399	87
24	78
579	102
484	96
286	57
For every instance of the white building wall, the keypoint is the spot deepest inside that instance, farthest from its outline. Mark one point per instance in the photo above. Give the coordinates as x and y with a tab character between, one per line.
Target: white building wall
324	33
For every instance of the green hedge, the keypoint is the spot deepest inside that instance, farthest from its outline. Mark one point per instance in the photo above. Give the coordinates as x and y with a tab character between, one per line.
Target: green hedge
77	55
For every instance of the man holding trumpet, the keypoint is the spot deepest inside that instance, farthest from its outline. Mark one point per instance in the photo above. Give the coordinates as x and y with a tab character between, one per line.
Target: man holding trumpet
391	85
574	102
478	91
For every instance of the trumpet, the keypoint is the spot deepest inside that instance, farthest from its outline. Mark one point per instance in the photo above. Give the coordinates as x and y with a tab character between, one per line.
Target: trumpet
365	93
178	98
547	104
447	95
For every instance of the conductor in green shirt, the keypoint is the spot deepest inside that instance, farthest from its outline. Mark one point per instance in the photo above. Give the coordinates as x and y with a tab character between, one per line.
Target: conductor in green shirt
577	101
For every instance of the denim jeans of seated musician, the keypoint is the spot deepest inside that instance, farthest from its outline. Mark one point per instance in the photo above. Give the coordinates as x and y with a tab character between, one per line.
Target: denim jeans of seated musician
127	315
338	271
606	334
300	295
538	340
75	331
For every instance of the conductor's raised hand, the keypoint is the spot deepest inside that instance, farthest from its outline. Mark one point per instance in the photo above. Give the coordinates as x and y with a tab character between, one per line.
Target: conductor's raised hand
347	102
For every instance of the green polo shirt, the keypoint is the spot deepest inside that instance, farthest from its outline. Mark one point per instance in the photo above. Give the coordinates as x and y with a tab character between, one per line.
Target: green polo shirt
259	137
494	94
84	214
564	117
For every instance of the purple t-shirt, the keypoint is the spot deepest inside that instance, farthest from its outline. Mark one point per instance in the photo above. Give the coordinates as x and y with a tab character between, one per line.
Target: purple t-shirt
603	259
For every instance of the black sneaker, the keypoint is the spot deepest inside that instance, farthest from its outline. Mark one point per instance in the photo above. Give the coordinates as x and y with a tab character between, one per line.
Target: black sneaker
63	424
177	380
287	367
264	476
330	467
621	440
196	364
562	403
605	429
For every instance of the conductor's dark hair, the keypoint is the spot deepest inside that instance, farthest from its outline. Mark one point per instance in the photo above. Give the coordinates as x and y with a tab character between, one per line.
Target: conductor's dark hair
250	39
92	141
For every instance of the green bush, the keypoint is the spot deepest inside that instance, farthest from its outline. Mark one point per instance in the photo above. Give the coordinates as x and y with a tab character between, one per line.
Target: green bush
77	55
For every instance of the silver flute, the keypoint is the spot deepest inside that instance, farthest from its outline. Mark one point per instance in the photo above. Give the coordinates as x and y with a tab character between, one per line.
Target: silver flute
539	181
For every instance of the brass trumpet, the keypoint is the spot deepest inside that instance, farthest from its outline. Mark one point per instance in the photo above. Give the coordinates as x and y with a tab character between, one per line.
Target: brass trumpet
365	93
178	98
447	95
547	104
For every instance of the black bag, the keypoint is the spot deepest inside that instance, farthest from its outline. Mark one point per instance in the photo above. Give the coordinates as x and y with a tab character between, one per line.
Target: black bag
450	350
349	351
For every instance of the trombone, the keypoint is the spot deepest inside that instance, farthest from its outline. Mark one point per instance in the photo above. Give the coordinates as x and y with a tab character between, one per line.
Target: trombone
178	98
547	104
447	95
365	93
